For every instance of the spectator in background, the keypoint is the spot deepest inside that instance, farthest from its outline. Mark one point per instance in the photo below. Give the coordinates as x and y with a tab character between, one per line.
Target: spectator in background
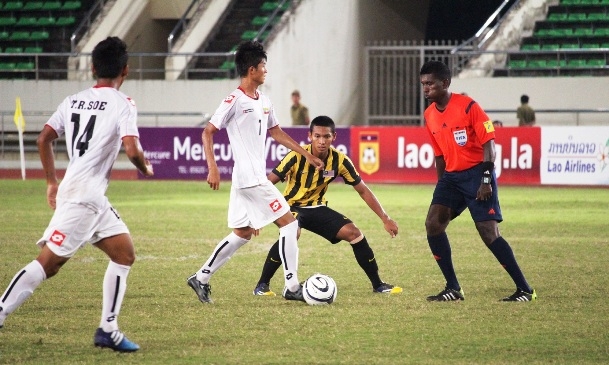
497	123
524	113
299	112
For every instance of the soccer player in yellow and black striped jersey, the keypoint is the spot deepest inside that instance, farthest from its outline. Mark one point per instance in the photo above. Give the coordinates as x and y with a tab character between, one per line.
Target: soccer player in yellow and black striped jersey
305	193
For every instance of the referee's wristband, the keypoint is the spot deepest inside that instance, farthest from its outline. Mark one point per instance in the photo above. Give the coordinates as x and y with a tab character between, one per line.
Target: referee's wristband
487	175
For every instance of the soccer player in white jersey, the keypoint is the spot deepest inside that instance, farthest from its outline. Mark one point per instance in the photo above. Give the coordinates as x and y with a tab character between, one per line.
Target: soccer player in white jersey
247	114
94	122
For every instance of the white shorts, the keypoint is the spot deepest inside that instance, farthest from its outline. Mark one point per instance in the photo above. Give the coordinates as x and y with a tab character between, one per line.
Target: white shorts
256	206
74	225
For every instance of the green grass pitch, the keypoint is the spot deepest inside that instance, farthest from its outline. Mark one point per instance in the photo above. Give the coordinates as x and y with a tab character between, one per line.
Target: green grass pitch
559	235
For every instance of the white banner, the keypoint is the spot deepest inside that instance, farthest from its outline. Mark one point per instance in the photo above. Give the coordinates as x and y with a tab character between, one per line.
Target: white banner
574	156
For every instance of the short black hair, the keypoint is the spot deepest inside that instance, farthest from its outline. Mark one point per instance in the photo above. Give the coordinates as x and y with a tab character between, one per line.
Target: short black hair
249	54
322	121
524	98
436	68
110	58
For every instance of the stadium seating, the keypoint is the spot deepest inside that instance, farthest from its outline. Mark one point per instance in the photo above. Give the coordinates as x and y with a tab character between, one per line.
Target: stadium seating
577	30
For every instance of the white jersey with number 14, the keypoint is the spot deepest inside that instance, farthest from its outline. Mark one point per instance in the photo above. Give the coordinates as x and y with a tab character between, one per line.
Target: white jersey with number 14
94	122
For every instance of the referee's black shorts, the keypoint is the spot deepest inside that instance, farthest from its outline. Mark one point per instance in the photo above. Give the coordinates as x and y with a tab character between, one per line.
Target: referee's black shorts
321	220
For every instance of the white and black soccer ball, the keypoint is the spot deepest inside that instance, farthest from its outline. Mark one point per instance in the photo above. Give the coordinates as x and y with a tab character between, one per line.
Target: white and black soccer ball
319	289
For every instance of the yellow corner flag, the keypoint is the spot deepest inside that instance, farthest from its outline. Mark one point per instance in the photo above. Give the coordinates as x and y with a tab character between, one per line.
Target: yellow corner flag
20	123
18	118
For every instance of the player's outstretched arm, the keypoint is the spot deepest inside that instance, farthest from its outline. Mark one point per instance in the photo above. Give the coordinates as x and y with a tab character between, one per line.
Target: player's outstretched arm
368	196
283	138
47	158
135	153
213	176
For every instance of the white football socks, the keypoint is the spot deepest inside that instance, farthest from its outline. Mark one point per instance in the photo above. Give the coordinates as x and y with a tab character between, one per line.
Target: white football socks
114	287
288	251
21	287
222	253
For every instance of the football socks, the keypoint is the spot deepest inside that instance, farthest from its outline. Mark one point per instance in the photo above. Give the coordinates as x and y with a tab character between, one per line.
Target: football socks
271	265
365	258
222	253
504	254
114	287
288	251
21	287
440	248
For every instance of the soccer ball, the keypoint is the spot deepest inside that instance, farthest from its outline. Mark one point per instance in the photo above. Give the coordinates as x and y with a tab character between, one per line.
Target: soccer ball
319	289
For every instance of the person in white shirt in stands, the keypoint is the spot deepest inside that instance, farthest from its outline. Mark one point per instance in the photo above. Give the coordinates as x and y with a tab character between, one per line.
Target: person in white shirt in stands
247	114
94	122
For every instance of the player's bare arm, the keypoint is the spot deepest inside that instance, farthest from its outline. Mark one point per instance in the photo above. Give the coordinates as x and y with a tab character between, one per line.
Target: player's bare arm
440	166
283	138
47	158
368	196
485	190
213	177
135	153
273	178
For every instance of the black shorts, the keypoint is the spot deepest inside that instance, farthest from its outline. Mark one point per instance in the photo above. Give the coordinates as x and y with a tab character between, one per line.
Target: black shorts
321	220
457	190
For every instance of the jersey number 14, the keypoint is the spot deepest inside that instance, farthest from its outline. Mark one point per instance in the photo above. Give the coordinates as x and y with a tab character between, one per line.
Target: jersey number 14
81	145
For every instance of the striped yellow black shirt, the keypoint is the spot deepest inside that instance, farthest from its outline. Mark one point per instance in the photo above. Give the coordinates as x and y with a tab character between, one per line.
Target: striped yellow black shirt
307	186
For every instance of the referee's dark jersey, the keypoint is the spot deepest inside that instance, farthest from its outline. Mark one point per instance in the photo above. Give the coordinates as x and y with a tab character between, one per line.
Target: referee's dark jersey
307	186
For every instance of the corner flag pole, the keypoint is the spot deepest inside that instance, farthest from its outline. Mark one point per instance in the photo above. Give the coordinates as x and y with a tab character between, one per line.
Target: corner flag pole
20	123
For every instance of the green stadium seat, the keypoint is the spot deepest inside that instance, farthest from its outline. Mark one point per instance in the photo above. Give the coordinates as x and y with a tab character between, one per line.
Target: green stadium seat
248	35
12	5
542	32
4	35
569	46
260	20
227	65
269	6
576	63
286	5
557	17
593	17
65	21
537	64
517	64
32	6
576	17
7	20
7	66
33	49
19	36
603	2
25	66
605	45
26	21
601	32
562	32
51	5
39	36
556	63
596	63
583	32
46	21
13	50
71	5
591	45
